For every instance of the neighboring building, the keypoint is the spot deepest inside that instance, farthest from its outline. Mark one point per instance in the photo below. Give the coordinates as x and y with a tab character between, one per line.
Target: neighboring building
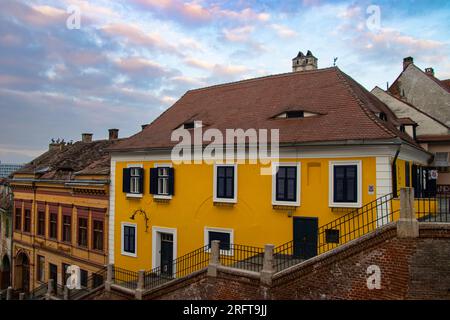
340	148
60	215
6	204
419	97
7	168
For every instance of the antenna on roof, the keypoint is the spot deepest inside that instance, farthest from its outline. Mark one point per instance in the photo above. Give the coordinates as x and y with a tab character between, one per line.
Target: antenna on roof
334	61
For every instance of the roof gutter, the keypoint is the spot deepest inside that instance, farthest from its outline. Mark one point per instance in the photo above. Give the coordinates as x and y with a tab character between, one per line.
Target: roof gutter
65	182
362	142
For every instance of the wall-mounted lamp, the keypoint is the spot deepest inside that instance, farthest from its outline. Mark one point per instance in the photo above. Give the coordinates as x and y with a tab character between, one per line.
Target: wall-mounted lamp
146	219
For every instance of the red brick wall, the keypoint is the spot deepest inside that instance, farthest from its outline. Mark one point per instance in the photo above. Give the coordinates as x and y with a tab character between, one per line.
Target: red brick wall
410	269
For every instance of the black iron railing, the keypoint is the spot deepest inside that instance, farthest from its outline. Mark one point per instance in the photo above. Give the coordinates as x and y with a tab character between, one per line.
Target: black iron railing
357	223
242	257
352	225
435	209
180	267
38	293
94	281
283	256
125	278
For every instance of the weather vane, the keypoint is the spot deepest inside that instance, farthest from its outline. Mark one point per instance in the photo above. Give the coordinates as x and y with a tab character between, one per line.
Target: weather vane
334	61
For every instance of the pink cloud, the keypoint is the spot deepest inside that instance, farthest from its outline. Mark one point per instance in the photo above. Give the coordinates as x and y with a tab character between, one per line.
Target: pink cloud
240	34
133	34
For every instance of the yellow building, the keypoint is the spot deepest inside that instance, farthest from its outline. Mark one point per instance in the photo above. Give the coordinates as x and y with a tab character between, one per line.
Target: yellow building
340	148
60	215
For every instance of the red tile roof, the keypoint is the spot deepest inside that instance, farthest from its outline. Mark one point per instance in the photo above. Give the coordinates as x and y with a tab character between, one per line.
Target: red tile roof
346	110
71	160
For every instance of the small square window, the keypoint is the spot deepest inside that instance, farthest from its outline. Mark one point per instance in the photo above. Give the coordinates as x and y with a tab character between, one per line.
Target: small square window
332	236
223	237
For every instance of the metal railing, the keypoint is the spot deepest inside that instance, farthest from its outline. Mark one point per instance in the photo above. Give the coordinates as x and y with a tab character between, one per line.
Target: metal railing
125	278
242	257
38	293
350	226
357	223
435	209
94	281
283	256
179	268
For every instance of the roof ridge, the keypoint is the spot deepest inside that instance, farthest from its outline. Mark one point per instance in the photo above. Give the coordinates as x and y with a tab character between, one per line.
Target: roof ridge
279	75
417	109
367	112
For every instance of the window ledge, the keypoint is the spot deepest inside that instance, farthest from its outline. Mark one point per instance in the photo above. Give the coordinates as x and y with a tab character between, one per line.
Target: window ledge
134	195
345	205
285	204
162	197
224	200
132	255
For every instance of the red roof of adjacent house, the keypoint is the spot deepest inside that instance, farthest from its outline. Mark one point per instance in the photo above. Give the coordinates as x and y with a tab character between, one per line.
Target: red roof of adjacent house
346	111
434	138
446	83
70	160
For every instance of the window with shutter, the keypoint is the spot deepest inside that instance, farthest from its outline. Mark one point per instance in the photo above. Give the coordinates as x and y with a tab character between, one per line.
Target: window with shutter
162	181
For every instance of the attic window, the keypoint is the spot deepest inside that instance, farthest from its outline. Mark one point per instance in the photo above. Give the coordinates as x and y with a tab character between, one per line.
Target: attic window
189	125
382	116
295	114
402	128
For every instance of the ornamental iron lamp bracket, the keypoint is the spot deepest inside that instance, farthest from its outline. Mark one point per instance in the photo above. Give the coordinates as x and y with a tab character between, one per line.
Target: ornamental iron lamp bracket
141	212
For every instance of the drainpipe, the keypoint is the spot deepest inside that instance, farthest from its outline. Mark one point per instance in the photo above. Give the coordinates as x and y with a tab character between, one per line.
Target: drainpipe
394	173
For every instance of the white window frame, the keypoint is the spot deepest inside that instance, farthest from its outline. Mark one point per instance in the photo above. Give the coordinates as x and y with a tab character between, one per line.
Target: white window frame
122	235
135	195
225	200
156	245
223	230
332	164
275	165
162	196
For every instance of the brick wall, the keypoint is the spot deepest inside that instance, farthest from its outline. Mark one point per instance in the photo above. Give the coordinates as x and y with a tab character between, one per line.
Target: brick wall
413	268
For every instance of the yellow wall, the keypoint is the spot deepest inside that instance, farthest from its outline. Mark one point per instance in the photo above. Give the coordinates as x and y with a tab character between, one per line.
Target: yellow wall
254	220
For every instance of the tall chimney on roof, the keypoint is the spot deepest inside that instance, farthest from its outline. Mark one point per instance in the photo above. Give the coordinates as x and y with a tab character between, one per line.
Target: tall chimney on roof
113	134
304	63
429	71
407	61
86	137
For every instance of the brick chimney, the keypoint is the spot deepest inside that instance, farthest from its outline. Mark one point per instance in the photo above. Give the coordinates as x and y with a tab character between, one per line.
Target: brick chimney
86	137
407	61
304	63
113	134
429	71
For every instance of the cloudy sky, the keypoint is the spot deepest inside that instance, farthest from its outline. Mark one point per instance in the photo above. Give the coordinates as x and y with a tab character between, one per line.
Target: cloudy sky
130	60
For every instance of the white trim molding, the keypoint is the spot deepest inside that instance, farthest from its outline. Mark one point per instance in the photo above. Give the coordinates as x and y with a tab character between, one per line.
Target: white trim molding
222	230
225	200
165	165
112	202
359	180
156	245
129	224
275	166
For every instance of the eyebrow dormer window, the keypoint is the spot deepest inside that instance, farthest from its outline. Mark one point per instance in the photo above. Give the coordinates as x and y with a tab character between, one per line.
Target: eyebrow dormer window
295	114
189	125
382	116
